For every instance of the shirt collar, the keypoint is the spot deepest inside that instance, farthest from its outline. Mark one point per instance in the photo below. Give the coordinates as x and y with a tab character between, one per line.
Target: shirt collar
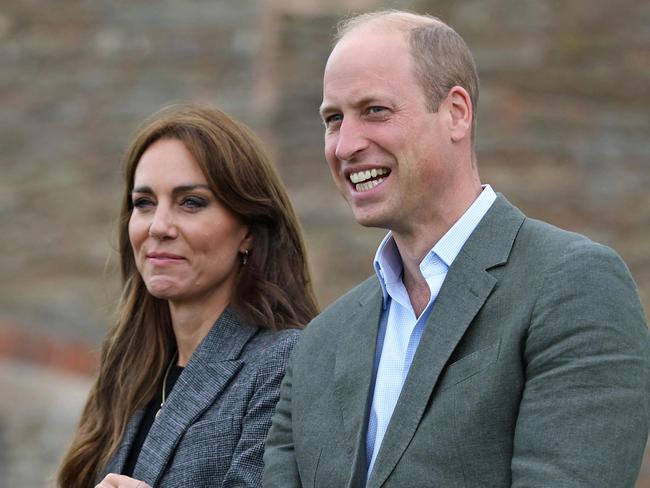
388	262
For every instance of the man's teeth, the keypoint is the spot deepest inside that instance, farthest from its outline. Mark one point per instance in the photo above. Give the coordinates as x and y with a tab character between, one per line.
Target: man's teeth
361	176
368	185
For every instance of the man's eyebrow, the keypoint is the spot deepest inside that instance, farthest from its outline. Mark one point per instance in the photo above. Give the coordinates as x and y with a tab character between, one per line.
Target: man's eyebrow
177	190
327	108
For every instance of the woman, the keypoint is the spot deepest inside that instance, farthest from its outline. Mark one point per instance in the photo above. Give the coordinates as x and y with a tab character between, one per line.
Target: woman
215	277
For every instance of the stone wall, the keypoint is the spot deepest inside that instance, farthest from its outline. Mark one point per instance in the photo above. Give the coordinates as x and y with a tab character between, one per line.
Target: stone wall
563	132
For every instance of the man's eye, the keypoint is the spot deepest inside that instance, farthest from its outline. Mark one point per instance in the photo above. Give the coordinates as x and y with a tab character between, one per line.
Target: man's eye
194	202
376	109
333	119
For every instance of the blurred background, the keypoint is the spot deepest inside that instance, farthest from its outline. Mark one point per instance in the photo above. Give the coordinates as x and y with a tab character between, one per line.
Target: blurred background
564	125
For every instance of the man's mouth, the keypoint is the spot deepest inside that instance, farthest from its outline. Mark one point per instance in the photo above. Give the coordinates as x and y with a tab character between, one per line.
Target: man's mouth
368	179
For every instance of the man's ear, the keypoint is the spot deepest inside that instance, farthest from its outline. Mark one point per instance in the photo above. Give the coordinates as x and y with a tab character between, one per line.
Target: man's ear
459	105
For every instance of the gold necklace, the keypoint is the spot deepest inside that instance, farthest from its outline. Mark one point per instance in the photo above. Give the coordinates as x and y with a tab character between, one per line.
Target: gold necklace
164	385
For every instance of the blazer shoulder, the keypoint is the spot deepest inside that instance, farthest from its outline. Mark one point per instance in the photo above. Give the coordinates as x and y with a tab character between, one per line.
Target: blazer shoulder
539	242
565	262
267	343
348	302
327	323
558	247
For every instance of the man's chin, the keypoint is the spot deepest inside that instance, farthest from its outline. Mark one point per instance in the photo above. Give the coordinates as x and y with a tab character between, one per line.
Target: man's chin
366	219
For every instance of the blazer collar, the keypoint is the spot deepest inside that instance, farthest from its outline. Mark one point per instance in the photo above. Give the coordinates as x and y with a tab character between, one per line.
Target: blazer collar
210	369
225	341
492	241
466	288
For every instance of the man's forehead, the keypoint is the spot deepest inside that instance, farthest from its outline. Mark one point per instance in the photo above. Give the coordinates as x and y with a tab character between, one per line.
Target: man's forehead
366	55
361	63
369	35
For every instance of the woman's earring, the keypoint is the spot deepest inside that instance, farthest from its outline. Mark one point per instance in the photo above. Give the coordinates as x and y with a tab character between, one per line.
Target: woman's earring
244	257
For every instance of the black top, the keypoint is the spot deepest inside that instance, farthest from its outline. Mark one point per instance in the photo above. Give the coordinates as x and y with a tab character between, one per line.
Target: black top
148	418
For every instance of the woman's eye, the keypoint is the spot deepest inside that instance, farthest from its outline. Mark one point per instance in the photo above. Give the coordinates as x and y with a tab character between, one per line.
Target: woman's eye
142	202
194	202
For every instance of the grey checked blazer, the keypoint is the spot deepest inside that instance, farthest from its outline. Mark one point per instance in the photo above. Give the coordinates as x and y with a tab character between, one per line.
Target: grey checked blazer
533	371
211	430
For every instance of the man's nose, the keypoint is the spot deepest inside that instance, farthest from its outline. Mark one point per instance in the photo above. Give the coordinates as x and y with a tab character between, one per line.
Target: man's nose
162	224
351	139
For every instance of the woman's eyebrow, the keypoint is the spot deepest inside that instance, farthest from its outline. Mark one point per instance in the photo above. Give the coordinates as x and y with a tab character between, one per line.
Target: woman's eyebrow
141	189
176	190
188	188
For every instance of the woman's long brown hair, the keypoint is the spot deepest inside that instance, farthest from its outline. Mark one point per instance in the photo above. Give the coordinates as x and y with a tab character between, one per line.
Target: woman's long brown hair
273	290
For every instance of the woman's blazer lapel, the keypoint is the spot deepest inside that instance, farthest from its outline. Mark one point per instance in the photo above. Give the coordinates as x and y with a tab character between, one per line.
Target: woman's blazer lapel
116	463
214	363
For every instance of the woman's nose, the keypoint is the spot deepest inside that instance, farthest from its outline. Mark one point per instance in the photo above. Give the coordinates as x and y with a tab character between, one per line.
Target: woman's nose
162	224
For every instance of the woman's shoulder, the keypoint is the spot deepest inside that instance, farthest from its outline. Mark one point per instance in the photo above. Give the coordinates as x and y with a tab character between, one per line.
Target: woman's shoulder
267	343
267	354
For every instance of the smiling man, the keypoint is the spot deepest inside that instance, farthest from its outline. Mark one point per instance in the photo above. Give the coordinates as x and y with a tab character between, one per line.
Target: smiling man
490	349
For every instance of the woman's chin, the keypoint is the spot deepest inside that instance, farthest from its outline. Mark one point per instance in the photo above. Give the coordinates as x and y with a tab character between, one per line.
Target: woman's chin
162	295
162	289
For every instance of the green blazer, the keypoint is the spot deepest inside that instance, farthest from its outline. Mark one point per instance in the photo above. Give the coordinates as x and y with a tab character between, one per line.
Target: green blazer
533	371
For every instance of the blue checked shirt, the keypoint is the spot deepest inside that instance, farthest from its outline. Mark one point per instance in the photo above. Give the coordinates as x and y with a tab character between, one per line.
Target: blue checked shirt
399	329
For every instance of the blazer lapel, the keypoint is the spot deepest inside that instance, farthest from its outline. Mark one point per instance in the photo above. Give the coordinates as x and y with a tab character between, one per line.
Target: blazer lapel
467	285
116	463
353	373
205	377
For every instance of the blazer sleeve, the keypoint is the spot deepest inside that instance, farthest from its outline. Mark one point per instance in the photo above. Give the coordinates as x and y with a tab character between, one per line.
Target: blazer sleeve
247	462
584	413
280	467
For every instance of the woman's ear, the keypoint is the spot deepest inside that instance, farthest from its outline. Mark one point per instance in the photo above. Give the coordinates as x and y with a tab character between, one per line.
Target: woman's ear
247	242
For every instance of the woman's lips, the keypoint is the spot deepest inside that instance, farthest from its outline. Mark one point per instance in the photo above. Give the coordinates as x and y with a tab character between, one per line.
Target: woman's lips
164	258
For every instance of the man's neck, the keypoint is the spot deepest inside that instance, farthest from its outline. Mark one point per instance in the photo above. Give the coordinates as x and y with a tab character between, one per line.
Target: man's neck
417	289
415	242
